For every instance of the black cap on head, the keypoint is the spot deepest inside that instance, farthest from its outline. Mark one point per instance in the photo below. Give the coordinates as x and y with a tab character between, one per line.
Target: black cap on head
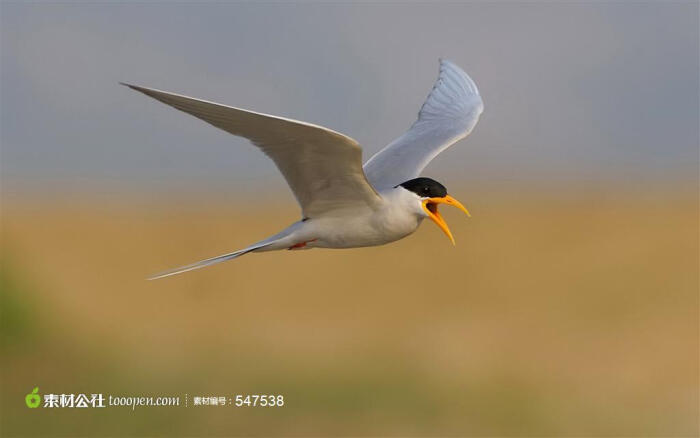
425	188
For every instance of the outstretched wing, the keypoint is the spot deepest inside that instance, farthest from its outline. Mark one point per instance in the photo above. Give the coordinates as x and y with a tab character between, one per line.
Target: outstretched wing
448	115
322	167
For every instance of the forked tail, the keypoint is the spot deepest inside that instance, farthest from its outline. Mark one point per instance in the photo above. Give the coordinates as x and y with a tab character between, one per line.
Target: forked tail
281	240
211	261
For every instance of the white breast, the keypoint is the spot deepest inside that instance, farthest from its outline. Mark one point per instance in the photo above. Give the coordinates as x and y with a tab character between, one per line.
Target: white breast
396	218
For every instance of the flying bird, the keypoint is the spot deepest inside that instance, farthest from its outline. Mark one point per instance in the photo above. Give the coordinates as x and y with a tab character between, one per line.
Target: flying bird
344	203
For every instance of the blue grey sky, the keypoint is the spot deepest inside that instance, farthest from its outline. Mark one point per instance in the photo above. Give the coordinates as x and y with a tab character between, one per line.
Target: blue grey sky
579	92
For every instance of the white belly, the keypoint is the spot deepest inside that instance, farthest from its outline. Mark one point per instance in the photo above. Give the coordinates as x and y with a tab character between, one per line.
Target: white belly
373	229
399	216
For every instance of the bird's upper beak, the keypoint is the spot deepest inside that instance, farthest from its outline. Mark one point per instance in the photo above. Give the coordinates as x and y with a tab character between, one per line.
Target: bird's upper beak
430	206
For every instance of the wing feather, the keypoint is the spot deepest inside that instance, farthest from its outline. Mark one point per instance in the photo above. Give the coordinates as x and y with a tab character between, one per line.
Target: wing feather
322	167
449	114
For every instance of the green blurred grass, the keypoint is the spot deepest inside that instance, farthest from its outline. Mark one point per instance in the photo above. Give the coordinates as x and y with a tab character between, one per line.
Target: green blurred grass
554	316
17	320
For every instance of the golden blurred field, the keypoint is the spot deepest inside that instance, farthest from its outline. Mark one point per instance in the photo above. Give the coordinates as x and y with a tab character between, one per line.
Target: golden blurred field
566	314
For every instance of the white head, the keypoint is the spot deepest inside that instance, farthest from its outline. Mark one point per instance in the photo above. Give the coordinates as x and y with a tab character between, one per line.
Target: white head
428	193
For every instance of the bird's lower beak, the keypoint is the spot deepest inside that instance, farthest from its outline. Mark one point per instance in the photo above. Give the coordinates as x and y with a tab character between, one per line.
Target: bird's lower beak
430	206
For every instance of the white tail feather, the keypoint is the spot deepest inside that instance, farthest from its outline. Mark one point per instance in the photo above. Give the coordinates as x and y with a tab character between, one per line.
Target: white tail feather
208	262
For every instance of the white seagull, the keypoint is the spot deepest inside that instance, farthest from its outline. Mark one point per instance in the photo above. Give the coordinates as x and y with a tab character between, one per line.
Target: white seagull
345	204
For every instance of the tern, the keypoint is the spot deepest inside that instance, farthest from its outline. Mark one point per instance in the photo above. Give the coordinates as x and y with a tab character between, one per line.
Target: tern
345	204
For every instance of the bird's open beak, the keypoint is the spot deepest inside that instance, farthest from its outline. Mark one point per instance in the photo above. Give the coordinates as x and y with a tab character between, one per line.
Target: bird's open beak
430	206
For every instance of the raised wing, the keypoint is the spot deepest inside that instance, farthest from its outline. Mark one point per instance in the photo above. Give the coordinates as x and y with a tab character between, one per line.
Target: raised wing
322	167
448	115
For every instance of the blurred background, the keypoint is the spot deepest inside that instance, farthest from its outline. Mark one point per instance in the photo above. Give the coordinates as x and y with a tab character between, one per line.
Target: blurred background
569	306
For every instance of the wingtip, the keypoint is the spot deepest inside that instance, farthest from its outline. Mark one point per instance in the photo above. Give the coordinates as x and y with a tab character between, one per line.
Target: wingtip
132	86
447	65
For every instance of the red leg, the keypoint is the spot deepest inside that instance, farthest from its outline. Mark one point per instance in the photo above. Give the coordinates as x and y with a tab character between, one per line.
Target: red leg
300	244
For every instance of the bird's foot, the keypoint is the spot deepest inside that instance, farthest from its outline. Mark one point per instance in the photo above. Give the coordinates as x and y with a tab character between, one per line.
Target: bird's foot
301	245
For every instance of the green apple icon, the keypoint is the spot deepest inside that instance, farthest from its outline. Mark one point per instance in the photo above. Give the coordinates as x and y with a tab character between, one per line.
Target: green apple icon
33	399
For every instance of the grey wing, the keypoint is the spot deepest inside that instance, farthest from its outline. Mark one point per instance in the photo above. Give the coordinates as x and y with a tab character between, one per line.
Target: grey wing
322	167
448	115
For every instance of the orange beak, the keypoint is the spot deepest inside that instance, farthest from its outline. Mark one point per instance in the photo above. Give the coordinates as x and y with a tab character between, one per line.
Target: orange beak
430	206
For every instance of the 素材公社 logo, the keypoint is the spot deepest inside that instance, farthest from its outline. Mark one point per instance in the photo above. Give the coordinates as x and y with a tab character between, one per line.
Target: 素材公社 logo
33	400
